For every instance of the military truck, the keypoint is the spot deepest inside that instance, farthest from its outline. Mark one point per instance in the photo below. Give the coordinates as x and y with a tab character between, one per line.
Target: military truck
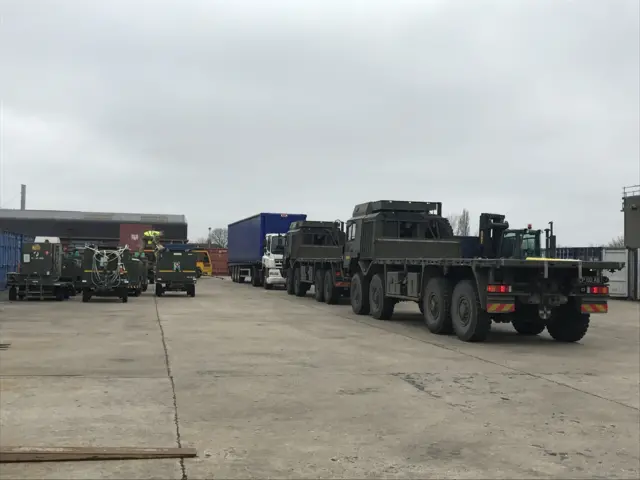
104	273
313	256
406	251
176	270
40	274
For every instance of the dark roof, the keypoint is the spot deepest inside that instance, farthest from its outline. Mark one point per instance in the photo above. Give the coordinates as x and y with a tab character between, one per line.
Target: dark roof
91	216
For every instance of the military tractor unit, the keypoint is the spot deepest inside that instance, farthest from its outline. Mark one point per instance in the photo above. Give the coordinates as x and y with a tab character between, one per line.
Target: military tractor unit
395	251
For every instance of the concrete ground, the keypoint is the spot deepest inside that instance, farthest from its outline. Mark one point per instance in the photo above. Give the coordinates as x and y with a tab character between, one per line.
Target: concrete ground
268	385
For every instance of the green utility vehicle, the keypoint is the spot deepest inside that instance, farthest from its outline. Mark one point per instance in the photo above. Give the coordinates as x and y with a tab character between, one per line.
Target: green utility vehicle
104	273
40	274
176	271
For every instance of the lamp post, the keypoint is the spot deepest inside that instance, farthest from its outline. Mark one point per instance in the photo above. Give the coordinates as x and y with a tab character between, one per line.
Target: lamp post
209	237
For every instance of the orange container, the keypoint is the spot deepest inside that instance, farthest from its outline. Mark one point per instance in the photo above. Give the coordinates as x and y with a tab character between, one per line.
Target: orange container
219	261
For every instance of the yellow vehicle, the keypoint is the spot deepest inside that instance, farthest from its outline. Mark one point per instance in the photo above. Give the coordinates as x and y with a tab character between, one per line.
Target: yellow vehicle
203	263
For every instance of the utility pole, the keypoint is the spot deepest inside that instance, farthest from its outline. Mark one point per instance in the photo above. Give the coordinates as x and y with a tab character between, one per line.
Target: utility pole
209	237
23	197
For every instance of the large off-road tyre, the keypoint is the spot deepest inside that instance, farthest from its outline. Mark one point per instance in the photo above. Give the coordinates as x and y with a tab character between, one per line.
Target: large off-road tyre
318	285
145	287
436	306
13	294
526	320
289	281
59	294
191	291
331	293
567	324
470	322
86	295
359	294
298	287
380	306
159	290
255	277
198	272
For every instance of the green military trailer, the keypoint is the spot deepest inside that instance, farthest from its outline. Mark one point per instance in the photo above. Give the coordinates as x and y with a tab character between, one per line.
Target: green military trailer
135	274
72	270
104	273
176	270
40	274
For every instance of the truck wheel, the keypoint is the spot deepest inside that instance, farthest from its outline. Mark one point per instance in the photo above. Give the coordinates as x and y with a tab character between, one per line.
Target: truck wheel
298	287
265	284
318	285
470	322
359	295
255	277
240	277
159	290
381	306
13	294
86	295
145	287
436	306
137	292
59	294
289	281
331	293
526	320
567	324
191	291
198	272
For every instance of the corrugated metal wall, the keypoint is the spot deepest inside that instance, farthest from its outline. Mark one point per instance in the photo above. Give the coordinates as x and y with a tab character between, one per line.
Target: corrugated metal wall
10	249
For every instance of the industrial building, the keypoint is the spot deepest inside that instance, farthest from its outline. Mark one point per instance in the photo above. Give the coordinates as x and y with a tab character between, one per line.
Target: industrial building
80	228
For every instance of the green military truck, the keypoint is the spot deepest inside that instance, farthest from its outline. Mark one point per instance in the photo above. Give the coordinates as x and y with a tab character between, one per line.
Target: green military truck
405	251
136	274
313	256
176	270
40	274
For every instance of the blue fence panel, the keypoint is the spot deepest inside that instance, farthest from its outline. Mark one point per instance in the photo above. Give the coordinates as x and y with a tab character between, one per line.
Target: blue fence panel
10	249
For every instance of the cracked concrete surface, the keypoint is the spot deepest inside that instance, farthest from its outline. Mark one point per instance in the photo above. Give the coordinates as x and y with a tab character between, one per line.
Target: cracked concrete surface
268	385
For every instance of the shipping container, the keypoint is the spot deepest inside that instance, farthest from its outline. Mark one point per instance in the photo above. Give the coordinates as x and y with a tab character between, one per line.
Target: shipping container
246	237
10	252
618	281
132	234
219	261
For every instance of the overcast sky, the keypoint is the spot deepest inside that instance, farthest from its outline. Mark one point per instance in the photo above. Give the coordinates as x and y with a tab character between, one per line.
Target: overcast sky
222	109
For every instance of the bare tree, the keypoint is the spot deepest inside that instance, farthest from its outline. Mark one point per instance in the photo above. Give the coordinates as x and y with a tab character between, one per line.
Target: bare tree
202	240
464	223
460	224
617	242
219	238
453	220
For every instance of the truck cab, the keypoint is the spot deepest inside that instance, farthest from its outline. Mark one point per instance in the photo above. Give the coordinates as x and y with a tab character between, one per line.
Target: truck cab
272	259
497	240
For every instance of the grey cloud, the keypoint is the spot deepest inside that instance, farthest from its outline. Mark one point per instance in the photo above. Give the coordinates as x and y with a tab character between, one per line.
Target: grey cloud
529	107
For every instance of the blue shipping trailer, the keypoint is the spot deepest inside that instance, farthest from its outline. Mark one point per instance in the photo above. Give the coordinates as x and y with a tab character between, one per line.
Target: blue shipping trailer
246	247
10	251
246	237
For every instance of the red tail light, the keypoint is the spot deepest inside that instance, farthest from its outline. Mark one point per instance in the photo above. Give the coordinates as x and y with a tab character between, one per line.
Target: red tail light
499	288
338	274
598	290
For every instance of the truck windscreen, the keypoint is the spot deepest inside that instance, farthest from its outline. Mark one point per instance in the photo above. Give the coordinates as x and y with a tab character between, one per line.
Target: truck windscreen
276	245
